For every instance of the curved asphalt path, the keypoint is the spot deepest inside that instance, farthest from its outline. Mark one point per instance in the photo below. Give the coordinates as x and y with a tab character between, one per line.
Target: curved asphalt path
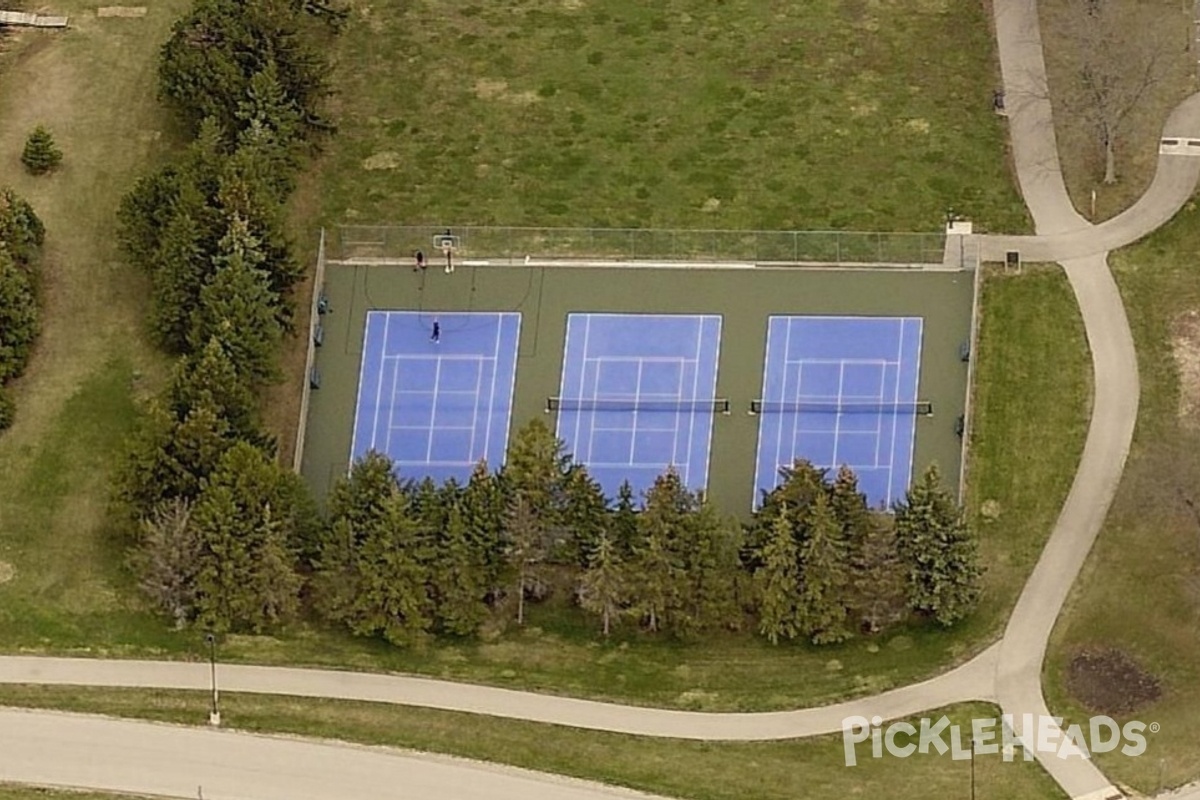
1008	673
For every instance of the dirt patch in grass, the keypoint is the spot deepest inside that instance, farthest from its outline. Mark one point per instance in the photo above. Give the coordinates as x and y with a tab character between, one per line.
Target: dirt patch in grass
7	572
1109	681
1185	347
121	11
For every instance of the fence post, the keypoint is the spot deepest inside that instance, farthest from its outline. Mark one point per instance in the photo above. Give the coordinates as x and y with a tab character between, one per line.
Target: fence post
837	240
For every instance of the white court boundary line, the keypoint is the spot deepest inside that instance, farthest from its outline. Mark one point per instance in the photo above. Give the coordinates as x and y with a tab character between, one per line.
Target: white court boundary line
501	320
591	365
788	322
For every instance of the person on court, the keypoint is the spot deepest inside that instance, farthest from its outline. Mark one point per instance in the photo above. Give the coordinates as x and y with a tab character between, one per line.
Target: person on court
437	332
420	261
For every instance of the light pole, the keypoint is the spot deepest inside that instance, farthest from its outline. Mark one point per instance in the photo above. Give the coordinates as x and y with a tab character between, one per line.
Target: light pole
214	713
972	768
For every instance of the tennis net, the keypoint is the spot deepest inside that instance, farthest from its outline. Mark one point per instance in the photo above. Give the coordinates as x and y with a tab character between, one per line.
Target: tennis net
919	408
713	405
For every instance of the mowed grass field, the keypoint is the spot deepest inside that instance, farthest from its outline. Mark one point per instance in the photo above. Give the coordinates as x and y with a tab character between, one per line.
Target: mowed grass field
92	86
809	768
1140	589
828	114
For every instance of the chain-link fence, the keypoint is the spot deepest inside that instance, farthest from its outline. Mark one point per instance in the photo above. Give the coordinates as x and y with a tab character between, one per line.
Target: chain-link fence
387	243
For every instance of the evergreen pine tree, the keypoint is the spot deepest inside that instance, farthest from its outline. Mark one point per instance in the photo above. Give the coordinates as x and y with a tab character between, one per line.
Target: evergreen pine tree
602	587
21	232
658	563
209	378
41	154
483	512
877	578
391	596
180	270
18	318
247	578
584	515
778	580
823	585
623	525
236	309
710	553
938	550
459	578
526	537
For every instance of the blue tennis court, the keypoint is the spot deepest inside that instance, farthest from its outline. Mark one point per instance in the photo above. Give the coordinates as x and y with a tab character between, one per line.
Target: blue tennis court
841	391
436	408
638	395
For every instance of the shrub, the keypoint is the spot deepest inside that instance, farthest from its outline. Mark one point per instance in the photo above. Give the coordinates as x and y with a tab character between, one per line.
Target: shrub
41	155
8	409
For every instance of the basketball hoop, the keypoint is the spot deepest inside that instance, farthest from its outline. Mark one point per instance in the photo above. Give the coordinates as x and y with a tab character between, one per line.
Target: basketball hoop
447	243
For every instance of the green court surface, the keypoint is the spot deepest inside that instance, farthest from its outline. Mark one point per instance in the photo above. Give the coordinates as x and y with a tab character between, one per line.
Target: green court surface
744	298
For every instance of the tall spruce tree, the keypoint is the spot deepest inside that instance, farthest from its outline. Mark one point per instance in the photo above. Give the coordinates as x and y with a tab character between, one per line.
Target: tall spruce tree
778	580
483	510
938	550
584	515
18	318
710	547
236	308
658	567
180	269
603	585
824	579
246	578
209	379
526	536
623	524
21	231
877	578
459	578
390	581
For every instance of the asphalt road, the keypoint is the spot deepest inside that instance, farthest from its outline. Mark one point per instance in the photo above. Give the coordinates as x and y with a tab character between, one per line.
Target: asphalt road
84	751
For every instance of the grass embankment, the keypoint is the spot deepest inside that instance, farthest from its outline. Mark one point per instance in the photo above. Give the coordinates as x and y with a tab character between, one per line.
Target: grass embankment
1033	386
821	115
13	791
1080	152
809	768
1140	589
90	85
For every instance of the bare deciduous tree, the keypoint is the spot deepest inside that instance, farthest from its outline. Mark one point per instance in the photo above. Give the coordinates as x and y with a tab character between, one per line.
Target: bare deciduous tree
1116	55
165	561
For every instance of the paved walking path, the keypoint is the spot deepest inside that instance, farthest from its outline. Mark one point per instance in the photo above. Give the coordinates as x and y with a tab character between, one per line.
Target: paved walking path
971	681
1008	673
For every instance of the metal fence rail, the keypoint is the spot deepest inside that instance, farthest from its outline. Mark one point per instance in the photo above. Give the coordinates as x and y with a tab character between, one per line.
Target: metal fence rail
314	321
349	242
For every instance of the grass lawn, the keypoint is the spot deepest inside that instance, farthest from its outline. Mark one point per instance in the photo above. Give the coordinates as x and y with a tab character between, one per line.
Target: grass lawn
1140	589
739	114
1033	386
809	768
90	86
1081	155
